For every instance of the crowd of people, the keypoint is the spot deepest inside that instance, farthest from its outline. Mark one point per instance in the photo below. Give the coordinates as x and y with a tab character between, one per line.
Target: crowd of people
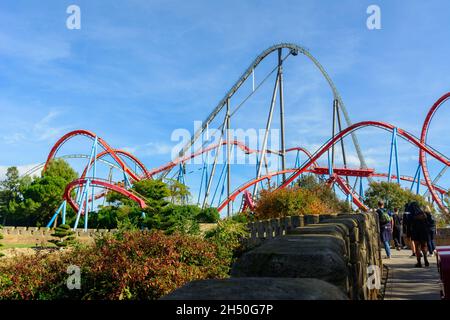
415	228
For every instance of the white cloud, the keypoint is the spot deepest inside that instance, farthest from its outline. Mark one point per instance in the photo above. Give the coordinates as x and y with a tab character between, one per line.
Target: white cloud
42	130
22	170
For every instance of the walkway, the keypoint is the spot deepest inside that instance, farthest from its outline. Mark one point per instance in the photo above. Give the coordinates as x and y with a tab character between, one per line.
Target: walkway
406	282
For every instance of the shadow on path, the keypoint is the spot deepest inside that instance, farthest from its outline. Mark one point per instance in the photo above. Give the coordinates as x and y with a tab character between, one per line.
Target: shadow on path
406	282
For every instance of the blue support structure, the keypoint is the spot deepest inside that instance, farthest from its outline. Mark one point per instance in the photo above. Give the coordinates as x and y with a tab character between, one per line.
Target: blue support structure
361	189
62	208
297	160
127	182
84	197
64	212
394	152
201	183
86	209
330	166
218	184
416	180
94	170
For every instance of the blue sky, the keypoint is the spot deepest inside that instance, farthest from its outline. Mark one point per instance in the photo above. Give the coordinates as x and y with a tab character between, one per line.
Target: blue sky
137	70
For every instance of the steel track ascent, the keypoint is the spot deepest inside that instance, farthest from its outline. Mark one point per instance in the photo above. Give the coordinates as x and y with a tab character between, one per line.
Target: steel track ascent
294	50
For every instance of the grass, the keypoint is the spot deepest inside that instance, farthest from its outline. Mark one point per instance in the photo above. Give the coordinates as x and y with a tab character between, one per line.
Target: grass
22	245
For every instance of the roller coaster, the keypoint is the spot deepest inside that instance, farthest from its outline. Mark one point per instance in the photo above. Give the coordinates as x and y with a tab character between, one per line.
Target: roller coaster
217	190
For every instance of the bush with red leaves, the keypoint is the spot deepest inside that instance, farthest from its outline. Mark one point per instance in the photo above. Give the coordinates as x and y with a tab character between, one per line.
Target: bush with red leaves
134	265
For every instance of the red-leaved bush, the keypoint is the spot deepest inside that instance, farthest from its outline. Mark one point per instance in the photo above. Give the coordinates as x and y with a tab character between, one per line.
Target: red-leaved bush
136	265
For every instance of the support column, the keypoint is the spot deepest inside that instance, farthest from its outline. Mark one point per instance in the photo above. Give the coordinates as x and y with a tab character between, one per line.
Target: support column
280	79
228	158
394	152
266	134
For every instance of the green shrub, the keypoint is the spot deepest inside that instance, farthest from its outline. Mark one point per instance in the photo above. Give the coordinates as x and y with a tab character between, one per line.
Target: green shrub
208	215
229	237
174	218
64	236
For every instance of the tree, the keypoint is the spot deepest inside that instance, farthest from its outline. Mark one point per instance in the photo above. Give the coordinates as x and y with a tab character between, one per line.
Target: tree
9	192
179	192
1	245
174	218
324	193
64	236
41	197
208	215
393	195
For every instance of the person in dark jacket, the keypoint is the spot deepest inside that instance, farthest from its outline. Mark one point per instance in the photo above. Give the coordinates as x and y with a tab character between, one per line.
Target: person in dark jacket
385	222
397	229
419	231
407	230
432	230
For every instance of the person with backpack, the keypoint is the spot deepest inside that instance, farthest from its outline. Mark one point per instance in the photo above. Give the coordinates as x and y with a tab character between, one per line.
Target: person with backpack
385	222
419	232
432	230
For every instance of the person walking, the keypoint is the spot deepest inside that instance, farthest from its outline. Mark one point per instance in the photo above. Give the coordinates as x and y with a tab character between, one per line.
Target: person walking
407	230
385	222
432	230
397	229
419	232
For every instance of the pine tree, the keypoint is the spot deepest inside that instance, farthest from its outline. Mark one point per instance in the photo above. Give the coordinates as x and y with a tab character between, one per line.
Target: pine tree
64	236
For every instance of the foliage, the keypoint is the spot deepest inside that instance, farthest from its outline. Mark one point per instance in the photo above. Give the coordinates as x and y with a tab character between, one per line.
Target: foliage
138	265
1	237
289	202
308	196
208	215
243	217
228	236
173	218
64	236
179	192
393	195
9	192
324	193
33	202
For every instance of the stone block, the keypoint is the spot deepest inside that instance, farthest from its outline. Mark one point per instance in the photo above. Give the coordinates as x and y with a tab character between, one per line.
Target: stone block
351	225
298	256
311	219
297	221
332	229
257	289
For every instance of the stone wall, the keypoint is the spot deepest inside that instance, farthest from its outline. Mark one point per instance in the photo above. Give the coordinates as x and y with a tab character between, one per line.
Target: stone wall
322	257
40	236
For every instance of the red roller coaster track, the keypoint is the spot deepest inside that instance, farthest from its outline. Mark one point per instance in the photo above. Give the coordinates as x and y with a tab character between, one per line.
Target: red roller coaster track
409	137
101	183
422	154
91	135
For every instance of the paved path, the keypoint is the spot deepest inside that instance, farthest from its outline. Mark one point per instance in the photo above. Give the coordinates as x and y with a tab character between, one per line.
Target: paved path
406	282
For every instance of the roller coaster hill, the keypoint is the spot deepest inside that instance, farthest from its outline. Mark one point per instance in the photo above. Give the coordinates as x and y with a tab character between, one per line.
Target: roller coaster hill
108	169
